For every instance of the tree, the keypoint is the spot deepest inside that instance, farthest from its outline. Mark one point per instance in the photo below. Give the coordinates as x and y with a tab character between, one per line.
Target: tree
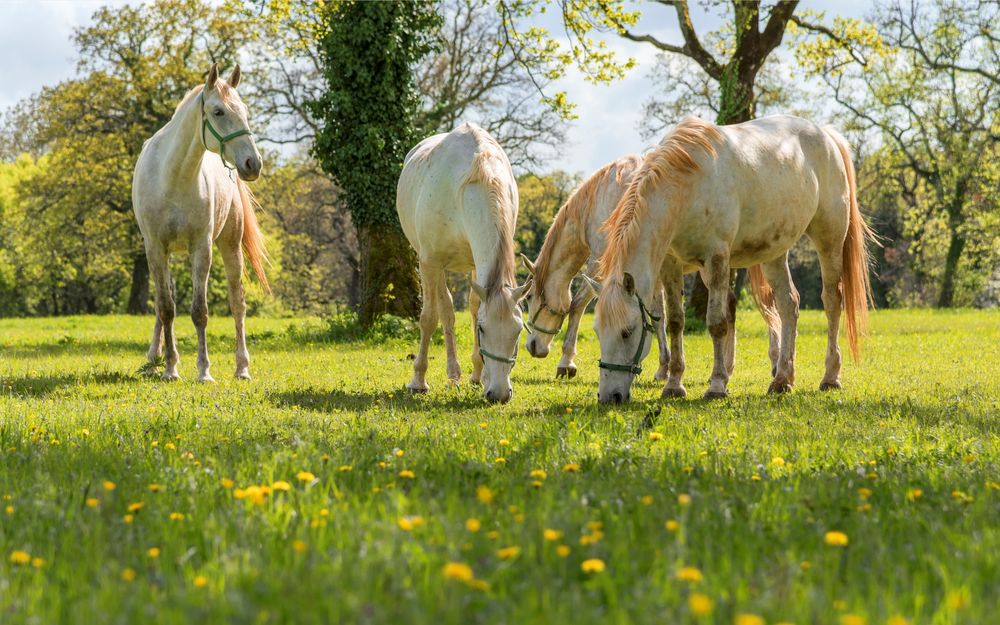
928	87
368	110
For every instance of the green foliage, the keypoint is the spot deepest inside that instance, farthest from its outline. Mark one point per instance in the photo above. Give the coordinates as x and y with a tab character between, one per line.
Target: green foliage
913	415
368	51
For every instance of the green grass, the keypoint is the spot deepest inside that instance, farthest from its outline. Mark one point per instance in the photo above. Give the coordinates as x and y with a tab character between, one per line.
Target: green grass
920	412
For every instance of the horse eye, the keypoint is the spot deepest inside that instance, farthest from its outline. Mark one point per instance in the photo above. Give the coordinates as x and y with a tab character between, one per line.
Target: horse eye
627	332
219	112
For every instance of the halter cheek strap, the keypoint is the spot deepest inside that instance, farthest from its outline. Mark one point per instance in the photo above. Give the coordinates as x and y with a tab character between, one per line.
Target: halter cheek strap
482	352
207	125
534	327
647	329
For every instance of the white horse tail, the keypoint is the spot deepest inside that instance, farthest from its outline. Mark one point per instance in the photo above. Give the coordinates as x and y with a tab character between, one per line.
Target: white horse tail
855	285
763	296
253	238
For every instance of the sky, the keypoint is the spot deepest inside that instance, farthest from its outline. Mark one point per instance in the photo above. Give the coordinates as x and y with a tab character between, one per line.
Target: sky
37	48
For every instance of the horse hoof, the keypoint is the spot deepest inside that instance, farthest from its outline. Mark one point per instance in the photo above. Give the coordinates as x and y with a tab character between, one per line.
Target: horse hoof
418	390
243	375
206	378
779	387
170	377
454	381
661	375
566	372
674	393
710	394
829	386
475	381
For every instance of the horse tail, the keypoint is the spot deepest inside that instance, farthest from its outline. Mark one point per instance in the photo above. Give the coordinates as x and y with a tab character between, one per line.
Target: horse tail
763	296
253	238
855	285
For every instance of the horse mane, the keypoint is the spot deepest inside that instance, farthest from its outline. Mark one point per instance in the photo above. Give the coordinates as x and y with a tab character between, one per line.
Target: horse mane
227	93
668	164
578	207
490	168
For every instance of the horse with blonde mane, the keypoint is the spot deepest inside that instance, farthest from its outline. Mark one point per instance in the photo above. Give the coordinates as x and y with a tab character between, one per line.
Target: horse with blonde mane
457	203
184	195
726	197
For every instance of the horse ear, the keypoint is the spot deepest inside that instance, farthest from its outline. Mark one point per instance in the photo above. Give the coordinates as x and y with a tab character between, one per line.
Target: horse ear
480	291
530	266
234	78
518	293
594	285
629	283
213	75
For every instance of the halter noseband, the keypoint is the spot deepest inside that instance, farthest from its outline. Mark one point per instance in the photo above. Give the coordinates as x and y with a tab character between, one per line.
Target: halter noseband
532	326
647	328
482	352
205	124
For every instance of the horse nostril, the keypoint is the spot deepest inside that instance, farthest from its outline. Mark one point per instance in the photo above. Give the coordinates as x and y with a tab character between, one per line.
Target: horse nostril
249	164
616	398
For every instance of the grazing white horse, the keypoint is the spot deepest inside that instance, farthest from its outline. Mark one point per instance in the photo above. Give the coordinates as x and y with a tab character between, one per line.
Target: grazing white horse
457	204
184	195
734	196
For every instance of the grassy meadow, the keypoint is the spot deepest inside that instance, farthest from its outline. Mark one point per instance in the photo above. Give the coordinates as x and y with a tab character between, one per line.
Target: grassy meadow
321	492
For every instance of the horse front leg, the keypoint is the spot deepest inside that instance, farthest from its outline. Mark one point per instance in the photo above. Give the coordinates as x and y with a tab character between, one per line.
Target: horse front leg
663	371
717	279
577	308
428	323
477	358
446	310
786	301
673	288
201	265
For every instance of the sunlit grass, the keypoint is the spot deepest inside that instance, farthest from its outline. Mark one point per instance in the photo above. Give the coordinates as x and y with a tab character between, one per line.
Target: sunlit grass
321	492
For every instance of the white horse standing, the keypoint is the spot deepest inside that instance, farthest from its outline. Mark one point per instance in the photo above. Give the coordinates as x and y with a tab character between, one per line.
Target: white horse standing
734	196
457	204
184	197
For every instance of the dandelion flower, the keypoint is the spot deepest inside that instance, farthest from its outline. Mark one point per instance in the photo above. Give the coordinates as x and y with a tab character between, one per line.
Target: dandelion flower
684	500
128	574
153	552
135	507
672	525
755	477
571	468
406	473
563	550
128	518
500	460
473	525
957	599
458	571
552	535
20	557
836	539
749	619
155	488
227	483
281	485
409	523
805	565
647	500
504	442
593	565
176	516
299	546
700	604
484	494
108	485
538	474
200	581
852	619
92	502
655	436
344	468
9	509
537	484
778	461
690	575
493	534
897	620
37	563
914	494
305	476
507	553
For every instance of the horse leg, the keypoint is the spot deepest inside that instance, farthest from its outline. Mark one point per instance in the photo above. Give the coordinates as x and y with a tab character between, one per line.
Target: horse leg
673	287
663	371
786	300
155	351
159	267
477	358
831	264
446	310
581	300
428	323
232	259
716	274
730	332
201	264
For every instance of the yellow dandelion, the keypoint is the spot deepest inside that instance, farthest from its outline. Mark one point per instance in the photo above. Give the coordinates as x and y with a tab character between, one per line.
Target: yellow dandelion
914	494
407	474
755	477
864	493
699	604
305	476
409	523
227	483
135	507
493	534
200	581
507	553
155	444
128	518
552	535
537	484
344	468
155	488
571	468
281	485
483	425
538	474
778	461
689	574
473	525
128	574
852	619
836	539
655	436
20	557
957	599
592	565
170	446
805	565
153	552
176	516
519	517
647	500
37	563
563	550
672	525
749	619
595	525
500	460
504	442
458	571
684	500
9	509
108	485
92	502
299	546
897	620
484	494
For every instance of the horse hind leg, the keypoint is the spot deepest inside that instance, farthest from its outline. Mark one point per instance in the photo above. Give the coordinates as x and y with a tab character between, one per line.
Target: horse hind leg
659	308
446	311
477	358
717	278
673	288
786	301
831	268
567	366
232	259
201	264
163	329
428	323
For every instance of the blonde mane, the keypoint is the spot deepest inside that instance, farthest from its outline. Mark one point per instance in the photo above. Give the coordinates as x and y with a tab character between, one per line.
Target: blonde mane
490	169
669	165
227	93
579	208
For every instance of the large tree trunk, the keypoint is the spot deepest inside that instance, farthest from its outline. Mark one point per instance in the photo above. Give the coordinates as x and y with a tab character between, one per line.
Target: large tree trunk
955	248
389	281
138	298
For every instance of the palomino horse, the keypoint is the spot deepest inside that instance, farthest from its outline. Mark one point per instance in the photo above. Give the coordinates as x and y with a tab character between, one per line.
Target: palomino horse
457	203
577	236
184	195
734	196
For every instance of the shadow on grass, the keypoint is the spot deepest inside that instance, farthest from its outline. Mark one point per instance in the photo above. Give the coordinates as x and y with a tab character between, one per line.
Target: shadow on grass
68	346
334	400
44	385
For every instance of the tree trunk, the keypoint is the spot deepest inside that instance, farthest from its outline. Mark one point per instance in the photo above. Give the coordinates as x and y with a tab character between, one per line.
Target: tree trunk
955	248
138	298
389	281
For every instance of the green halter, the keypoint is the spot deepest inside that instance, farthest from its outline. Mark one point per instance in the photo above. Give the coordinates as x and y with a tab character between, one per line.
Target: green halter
530	323
482	352
647	328
205	124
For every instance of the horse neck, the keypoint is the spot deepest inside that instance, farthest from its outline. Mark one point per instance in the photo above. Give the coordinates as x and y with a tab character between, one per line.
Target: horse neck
568	252
184	149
